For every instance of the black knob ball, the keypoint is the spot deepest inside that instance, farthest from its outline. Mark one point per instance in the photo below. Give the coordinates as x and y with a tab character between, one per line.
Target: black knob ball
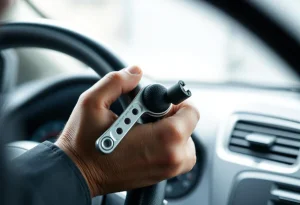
155	98
158	99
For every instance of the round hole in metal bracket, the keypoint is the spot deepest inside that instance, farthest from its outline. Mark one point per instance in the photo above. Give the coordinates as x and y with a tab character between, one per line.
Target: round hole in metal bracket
107	143
119	130
127	121
135	111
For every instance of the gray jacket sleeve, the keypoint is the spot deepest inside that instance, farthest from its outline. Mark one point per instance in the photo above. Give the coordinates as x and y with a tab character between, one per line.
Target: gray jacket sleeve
46	175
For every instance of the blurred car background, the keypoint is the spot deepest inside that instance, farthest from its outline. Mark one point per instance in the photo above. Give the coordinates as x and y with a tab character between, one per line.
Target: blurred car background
246	92
164	37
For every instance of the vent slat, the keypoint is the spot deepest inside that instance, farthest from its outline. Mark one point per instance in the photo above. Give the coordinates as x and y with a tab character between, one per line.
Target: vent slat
271	126
269	131
269	156
287	142
239	142
240	134
284	150
275	148
279	140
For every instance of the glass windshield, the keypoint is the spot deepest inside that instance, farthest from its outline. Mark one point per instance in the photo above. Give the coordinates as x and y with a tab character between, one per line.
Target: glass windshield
174	39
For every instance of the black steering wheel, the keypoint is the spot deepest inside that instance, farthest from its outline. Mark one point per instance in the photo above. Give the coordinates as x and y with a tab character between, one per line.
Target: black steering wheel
93	54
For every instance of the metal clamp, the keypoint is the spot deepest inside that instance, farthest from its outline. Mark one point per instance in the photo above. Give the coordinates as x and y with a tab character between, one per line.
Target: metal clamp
110	139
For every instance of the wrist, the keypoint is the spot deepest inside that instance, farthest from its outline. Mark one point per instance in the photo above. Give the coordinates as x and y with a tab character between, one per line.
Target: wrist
93	181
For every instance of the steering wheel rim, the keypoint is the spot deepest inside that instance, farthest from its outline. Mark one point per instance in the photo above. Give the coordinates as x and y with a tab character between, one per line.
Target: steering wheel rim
48	35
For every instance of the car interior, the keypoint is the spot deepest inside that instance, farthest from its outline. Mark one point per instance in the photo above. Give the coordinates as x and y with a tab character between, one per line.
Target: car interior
240	59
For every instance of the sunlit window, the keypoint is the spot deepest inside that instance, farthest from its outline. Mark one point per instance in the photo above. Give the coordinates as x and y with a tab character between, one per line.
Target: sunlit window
173	39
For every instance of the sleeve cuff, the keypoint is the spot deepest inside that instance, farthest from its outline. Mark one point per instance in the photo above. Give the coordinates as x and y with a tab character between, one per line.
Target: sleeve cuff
53	175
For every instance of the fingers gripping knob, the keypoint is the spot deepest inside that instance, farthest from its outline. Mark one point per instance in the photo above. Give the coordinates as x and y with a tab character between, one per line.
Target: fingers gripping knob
154	100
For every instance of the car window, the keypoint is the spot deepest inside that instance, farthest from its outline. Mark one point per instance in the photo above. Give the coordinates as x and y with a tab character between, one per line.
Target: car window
174	39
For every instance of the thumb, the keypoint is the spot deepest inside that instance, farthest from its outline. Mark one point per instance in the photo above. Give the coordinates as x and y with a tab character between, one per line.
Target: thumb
112	85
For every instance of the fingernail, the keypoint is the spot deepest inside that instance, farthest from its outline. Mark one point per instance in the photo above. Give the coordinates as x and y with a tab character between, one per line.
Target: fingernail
134	70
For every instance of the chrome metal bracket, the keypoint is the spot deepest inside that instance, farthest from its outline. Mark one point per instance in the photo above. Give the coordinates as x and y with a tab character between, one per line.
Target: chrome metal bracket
110	139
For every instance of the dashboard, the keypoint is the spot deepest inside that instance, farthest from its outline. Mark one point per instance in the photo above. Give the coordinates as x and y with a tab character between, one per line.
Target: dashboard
48	131
247	139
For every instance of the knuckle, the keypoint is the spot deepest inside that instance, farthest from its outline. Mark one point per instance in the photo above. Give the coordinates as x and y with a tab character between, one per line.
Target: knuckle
197	112
114	77
172	133
170	172
194	109
174	158
84	99
190	164
179	166
177	169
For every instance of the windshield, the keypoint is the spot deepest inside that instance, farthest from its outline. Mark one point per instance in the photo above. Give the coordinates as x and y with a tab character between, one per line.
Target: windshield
174	39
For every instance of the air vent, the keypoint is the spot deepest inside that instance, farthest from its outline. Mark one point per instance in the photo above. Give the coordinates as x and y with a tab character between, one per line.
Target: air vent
267	141
284	194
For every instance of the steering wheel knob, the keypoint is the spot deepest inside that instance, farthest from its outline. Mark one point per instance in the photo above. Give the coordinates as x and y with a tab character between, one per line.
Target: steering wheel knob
154	100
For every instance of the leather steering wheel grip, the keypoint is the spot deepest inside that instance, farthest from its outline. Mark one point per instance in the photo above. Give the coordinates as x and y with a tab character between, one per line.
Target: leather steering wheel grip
16	149
148	195
46	34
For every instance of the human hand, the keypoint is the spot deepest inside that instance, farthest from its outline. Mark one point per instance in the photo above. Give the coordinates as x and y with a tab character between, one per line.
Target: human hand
149	153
